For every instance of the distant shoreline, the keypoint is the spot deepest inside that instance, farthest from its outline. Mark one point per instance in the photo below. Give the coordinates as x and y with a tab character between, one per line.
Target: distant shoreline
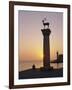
28	65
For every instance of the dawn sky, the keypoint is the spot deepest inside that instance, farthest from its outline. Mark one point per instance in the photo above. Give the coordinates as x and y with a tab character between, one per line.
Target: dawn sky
31	38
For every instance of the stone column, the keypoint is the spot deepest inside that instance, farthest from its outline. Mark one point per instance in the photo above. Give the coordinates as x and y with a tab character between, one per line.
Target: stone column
46	47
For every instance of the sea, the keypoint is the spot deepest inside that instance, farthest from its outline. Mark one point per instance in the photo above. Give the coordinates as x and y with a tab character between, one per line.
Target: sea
24	65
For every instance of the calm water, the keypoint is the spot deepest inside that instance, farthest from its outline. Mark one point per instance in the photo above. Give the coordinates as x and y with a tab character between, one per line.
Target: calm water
24	65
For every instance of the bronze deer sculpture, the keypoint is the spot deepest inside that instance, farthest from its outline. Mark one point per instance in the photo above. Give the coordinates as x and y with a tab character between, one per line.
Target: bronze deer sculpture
45	24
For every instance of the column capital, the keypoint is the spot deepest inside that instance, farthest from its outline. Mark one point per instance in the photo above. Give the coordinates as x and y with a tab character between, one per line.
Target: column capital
46	31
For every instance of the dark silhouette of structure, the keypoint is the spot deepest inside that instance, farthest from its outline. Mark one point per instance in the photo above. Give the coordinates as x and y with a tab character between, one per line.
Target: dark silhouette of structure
46	45
59	58
57	55
33	67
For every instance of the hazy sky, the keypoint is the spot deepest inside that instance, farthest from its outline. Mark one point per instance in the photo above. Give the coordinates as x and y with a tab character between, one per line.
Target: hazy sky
31	38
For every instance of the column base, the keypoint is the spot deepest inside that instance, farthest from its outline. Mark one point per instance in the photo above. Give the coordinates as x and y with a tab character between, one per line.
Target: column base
46	68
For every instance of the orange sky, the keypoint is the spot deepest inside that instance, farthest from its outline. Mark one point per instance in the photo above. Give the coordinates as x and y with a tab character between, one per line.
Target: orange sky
31	38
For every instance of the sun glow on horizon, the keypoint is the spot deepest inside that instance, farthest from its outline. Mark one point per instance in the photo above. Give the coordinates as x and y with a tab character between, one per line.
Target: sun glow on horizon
40	55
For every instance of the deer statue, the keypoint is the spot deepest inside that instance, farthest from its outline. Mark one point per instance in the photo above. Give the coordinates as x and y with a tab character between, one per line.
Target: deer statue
45	23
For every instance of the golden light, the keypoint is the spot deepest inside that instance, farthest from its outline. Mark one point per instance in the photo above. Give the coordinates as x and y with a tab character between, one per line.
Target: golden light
40	54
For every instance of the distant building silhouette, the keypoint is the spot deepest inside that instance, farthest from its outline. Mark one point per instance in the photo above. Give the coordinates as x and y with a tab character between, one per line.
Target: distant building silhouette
59	58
